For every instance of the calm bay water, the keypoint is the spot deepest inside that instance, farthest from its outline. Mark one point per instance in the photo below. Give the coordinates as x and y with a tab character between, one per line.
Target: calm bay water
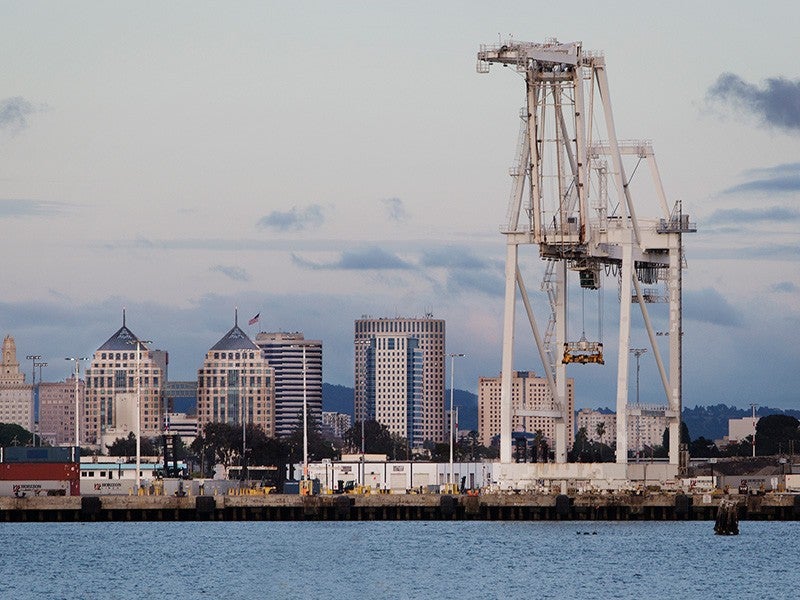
398	560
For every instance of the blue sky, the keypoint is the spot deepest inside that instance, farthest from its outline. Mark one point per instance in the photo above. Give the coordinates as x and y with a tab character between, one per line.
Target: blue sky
314	162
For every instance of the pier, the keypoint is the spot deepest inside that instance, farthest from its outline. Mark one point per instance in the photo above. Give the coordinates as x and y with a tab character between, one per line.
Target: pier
390	507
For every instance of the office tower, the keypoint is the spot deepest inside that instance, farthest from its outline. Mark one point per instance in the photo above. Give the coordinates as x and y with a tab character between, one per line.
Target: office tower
57	411
16	402
121	370
528	392
236	384
284	353
399	375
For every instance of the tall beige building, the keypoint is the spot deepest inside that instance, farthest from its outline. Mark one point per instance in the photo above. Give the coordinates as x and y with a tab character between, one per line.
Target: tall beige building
16	399
236	382
528	392
120	370
395	361
57	411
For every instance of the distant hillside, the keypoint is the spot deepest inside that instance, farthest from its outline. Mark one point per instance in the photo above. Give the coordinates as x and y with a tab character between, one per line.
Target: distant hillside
467	404
711	422
339	398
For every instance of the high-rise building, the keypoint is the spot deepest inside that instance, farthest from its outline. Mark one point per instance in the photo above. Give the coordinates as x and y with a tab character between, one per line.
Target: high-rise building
527	392
121	370
16	401
57	411
646	425
590	420
236	384
294	378
336	424
399	375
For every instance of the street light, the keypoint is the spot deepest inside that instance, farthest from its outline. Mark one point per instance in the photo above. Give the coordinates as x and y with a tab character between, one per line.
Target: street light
36	395
452	415
638	352
34	358
138	407
77	360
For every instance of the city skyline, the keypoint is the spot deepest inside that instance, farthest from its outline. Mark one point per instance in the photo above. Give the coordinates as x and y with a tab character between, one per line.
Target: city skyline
179	162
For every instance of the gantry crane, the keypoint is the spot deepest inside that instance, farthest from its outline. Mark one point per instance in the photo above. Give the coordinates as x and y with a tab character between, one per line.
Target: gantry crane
560	201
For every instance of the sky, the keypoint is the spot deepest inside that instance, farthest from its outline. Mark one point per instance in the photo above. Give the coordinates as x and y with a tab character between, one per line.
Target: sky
313	162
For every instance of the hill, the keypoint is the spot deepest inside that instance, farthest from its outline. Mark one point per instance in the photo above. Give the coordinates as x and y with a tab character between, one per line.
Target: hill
711	422
339	398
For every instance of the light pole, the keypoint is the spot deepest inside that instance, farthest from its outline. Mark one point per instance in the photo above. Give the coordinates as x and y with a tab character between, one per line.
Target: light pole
34	358
77	360
754	406
36	395
453	357
242	402
305	418
638	352
138	344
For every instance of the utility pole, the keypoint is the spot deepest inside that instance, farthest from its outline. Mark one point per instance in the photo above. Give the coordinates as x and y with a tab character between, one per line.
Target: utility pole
139	344
753	407
34	418
452	417
77	360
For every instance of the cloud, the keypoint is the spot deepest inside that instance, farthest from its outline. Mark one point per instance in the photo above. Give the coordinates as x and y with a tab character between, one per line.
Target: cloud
362	259
294	220
776	103
491	284
784	287
453	257
780	178
395	209
29	208
235	273
14	113
754	215
709	306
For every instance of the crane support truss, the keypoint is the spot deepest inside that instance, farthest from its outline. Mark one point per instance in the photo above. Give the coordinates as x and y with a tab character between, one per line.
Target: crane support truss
552	205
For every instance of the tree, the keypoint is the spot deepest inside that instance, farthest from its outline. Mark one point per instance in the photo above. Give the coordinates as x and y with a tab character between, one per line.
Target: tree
217	443
581	447
127	446
775	434
377	438
663	450
12	434
600	430
703	448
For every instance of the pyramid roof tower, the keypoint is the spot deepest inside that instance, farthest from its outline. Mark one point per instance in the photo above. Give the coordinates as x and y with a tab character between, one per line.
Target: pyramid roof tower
122	339
235	339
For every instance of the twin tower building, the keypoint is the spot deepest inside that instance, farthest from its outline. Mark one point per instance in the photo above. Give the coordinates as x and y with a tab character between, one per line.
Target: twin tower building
399	381
262	382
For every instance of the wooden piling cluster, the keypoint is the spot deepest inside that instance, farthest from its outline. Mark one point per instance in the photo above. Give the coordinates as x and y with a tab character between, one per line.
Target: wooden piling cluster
486	507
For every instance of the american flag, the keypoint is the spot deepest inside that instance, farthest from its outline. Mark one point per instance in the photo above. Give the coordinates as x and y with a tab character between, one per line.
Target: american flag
254	320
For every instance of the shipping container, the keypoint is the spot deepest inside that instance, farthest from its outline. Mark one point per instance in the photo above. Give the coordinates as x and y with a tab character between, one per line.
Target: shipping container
25	454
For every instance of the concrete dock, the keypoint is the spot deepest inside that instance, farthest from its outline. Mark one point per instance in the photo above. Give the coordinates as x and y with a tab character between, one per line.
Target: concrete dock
658	506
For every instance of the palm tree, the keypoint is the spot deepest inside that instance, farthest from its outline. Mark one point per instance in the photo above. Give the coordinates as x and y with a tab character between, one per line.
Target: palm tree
601	431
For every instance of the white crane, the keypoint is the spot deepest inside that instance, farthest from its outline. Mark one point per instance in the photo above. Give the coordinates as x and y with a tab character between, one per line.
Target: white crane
562	203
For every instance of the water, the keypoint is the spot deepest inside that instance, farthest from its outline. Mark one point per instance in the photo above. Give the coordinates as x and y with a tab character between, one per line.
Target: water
407	559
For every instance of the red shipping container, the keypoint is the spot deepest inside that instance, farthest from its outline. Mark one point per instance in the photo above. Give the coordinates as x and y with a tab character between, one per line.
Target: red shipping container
43	471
